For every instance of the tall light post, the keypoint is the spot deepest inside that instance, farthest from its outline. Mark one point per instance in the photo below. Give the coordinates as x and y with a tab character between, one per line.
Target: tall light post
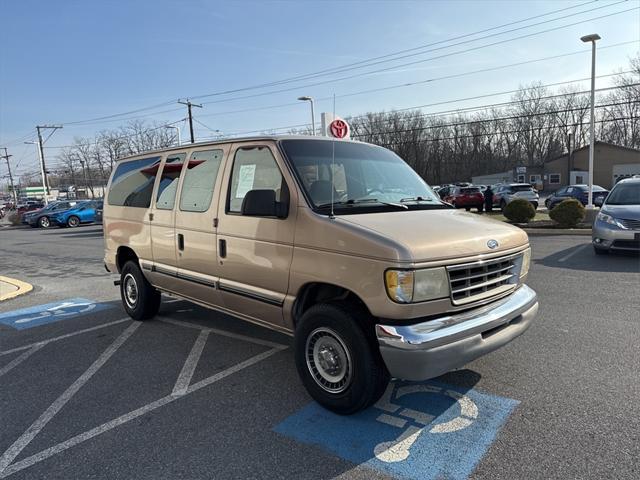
177	131
313	116
592	38
44	184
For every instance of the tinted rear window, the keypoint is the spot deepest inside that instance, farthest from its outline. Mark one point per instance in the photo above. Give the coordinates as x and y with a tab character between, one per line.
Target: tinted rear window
521	188
470	190
132	183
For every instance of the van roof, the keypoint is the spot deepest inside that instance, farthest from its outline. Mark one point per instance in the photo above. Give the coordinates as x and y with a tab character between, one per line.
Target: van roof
238	140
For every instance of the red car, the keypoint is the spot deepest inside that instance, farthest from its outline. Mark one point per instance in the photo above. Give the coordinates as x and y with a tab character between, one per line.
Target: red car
466	197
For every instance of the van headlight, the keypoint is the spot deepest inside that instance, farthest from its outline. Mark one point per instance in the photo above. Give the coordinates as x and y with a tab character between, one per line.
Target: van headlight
526	260
410	286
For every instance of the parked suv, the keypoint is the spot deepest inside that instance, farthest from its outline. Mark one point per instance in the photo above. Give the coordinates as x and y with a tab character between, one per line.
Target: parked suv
579	192
337	243
617	225
466	197
507	192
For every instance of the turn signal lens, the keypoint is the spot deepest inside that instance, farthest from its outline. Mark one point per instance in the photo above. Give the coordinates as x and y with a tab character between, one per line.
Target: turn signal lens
526	260
399	285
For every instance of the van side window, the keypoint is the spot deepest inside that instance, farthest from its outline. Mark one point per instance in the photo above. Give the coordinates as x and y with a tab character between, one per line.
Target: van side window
132	183
200	180
254	168
169	181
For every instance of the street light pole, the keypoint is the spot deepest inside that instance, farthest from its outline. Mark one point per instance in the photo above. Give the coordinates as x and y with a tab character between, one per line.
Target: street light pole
592	38
44	182
313	115
177	131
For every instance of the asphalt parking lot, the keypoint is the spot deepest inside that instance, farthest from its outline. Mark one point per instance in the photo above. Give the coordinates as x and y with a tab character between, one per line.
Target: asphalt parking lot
87	393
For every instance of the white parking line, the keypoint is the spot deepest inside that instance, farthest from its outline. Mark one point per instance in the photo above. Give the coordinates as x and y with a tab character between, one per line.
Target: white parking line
105	427
14	450
19	359
189	367
578	249
62	337
223	333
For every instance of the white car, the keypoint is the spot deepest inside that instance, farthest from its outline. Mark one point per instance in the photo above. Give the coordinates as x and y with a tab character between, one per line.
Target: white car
507	192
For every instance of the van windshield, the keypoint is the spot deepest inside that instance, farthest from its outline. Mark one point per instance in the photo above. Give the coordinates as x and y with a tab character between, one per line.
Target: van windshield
358	178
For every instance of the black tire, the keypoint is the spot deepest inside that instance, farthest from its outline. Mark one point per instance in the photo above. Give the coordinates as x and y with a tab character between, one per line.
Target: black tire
600	251
503	205
480	208
468	209
145	302
73	221
44	222
365	375
535	205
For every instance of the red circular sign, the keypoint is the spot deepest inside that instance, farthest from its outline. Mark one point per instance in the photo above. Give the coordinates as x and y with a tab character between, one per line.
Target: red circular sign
339	128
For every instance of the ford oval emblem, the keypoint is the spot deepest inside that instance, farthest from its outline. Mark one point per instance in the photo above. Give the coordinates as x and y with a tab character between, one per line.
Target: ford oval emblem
492	244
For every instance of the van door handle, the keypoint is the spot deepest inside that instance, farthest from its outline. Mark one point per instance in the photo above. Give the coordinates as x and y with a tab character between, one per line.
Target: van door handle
222	248
180	241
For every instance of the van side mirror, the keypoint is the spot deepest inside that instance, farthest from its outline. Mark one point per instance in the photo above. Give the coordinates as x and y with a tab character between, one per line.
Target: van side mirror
262	203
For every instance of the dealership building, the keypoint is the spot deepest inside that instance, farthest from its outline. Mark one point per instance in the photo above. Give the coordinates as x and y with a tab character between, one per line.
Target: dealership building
610	163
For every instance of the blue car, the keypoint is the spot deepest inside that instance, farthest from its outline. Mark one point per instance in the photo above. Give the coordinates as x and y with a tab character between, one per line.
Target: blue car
42	217
83	212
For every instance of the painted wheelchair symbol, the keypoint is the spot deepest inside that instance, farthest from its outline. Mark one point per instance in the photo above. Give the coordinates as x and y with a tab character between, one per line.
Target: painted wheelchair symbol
397	416
60	311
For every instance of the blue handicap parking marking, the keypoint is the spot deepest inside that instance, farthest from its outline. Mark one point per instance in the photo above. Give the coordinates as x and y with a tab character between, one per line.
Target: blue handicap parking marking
50	312
416	430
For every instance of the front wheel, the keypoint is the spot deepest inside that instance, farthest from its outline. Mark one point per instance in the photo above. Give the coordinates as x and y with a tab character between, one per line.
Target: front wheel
140	300
337	358
44	222
73	221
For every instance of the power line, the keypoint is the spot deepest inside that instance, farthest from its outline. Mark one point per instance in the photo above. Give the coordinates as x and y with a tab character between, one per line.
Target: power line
361	92
445	112
395	67
489	134
367	62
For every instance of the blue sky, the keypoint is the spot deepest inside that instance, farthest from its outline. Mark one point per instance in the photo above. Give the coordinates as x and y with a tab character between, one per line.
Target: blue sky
63	61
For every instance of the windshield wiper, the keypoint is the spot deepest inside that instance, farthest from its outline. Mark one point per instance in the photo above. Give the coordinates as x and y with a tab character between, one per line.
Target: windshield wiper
415	199
363	200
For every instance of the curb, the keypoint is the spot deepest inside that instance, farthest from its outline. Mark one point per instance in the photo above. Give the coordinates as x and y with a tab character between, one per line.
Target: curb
541	232
20	288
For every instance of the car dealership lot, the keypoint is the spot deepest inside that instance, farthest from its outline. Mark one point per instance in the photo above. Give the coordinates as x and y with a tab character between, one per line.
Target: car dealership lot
196	394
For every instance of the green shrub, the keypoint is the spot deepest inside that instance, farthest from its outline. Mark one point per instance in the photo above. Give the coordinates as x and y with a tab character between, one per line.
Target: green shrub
519	211
568	213
14	218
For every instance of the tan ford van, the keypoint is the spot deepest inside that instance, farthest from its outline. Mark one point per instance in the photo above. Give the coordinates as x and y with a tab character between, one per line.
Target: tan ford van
338	243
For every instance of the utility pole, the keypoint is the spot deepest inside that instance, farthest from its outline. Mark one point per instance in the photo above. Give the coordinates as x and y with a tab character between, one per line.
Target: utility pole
189	105
6	156
86	182
47	191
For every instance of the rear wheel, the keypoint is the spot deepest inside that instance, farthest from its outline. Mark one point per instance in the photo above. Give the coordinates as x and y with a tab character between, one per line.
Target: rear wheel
140	300
44	222
480	208
73	221
337	358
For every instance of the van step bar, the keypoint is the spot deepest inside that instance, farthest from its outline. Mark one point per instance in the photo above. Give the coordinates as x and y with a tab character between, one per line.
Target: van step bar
117	282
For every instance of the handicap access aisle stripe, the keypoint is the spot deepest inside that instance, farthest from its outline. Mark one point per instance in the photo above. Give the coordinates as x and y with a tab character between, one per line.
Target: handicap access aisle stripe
421	431
50	312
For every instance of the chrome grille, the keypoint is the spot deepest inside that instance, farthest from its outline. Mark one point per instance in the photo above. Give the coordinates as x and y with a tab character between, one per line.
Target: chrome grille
472	282
630	224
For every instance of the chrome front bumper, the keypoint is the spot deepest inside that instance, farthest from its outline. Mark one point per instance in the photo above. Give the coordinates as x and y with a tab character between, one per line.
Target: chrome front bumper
426	350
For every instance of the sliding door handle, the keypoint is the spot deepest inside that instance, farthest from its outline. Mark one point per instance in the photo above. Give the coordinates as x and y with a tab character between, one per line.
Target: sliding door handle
180	241
222	248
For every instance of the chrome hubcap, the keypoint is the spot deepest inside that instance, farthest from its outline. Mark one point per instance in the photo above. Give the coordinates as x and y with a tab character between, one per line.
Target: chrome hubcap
73	221
328	360
130	289
44	221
